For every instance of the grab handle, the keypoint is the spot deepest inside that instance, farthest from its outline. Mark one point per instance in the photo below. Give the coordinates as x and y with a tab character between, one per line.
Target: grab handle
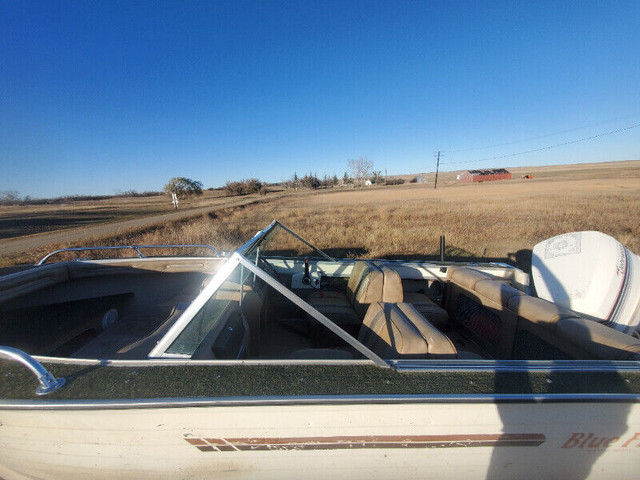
48	383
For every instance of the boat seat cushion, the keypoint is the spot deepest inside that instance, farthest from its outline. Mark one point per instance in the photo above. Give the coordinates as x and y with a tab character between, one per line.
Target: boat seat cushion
466	277
392	290
342	315
598	340
538	311
542	330
331	297
433	312
498	291
397	330
368	283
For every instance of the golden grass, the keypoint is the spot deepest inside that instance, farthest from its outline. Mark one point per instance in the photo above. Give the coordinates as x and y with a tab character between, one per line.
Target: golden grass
491	221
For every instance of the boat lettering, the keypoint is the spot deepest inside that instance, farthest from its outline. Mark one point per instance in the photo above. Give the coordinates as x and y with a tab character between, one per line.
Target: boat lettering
590	440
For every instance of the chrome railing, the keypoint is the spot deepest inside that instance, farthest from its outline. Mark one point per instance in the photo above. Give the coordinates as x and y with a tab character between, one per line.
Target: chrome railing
48	383
135	248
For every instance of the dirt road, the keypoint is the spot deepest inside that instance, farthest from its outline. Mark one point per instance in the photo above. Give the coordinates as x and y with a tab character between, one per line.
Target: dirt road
13	246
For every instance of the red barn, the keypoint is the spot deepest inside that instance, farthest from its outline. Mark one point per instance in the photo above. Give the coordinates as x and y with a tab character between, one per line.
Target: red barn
486	175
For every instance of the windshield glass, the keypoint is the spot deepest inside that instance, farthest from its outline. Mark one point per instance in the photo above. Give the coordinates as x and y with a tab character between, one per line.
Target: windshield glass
279	241
255	314
220	316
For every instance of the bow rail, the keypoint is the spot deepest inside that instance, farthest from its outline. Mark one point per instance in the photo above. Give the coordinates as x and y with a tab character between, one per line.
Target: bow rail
135	248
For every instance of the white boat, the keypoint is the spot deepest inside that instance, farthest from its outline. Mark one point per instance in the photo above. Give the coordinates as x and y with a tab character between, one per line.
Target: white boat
279	361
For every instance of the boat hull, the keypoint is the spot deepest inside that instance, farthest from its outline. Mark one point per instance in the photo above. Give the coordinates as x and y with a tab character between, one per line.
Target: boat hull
359	440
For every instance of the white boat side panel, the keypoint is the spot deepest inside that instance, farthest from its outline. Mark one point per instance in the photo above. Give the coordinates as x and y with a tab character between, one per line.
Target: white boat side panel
313	442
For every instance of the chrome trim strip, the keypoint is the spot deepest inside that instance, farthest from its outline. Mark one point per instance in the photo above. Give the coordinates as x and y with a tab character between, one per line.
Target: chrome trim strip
170	361
583	366
314	400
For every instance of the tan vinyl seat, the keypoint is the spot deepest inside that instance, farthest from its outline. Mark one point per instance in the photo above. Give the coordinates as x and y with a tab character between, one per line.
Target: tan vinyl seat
437	315
566	331
395	293
466	277
391	331
397	330
597	340
367	284
529	327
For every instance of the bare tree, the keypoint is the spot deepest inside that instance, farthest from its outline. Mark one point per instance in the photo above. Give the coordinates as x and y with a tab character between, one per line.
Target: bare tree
8	197
378	179
360	170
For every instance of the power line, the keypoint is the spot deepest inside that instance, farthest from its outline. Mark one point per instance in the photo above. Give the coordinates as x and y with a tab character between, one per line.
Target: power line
548	147
546	135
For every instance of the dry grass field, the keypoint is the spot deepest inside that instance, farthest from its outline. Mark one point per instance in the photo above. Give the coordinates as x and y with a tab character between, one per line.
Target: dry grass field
19	220
494	220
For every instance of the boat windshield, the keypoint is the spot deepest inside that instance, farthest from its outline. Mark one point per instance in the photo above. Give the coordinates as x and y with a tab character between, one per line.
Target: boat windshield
278	240
248	310
214	315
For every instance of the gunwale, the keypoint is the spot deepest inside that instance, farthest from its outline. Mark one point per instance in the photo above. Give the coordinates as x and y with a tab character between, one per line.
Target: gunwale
138	381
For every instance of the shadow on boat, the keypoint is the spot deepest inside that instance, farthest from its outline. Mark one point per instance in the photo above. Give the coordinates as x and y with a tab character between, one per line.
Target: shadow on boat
554	423
571	435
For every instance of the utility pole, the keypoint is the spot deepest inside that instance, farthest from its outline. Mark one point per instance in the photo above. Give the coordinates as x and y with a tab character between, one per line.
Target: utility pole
437	155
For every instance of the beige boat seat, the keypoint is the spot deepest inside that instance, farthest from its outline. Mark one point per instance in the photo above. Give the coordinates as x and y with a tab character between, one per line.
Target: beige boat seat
437	315
547	330
392	331
395	292
367	284
513	325
398	330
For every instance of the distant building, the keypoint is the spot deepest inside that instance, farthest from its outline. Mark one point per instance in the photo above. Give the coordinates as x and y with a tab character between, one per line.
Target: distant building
368	183
487	175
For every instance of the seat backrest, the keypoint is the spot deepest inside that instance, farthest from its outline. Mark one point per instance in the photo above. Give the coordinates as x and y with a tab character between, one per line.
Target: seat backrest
466	277
395	331
598	340
501	316
547	330
392	291
365	286
360	270
478	303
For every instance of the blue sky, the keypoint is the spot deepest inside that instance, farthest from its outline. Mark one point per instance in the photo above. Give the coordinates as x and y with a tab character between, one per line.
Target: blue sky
97	97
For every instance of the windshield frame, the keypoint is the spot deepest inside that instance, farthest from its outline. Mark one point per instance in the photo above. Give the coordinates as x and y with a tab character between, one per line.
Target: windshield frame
244	257
265	235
